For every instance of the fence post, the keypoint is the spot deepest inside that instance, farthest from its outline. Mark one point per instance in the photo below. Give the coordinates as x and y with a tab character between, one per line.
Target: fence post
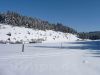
22	47
61	44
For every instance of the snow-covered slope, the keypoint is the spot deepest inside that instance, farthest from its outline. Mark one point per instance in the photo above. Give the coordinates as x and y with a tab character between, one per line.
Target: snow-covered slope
15	34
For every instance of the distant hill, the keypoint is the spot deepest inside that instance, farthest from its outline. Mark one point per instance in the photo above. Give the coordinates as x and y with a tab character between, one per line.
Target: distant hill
90	35
17	19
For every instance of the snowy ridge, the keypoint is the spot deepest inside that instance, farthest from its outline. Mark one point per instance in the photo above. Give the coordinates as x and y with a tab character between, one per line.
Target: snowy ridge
16	34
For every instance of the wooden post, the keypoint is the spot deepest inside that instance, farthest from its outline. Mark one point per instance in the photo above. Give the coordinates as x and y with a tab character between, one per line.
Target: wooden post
61	44
23	47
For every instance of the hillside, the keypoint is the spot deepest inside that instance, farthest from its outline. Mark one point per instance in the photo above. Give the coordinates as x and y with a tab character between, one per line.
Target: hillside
15	34
16	19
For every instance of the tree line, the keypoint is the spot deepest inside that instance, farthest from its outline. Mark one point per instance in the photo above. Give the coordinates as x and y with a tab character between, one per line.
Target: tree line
17	19
89	35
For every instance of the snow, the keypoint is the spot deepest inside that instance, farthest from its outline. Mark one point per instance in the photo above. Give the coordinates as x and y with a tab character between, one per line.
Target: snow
47	59
55	56
22	34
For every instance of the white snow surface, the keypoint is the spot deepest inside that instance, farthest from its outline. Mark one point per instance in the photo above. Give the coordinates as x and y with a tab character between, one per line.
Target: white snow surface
43	59
47	58
22	34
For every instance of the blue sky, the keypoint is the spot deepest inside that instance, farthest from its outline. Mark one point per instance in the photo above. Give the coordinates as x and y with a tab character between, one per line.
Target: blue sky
82	15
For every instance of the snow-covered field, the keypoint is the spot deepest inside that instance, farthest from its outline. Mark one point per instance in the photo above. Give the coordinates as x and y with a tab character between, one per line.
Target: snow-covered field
47	59
56	55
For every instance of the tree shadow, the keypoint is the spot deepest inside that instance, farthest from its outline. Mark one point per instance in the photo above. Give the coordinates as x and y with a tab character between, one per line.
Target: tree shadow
92	46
